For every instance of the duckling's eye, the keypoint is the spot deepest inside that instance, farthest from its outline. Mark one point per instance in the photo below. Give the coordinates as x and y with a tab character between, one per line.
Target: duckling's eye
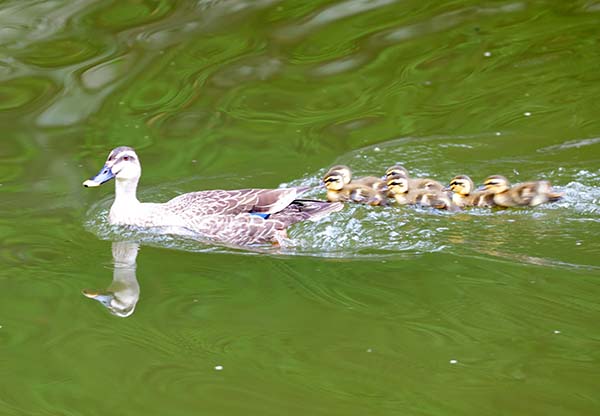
126	158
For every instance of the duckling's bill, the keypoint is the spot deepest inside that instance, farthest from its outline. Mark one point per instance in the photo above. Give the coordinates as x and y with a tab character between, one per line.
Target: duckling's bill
105	175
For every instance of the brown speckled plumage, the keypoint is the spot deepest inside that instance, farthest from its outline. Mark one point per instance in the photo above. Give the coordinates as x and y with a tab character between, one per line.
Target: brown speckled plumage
227	216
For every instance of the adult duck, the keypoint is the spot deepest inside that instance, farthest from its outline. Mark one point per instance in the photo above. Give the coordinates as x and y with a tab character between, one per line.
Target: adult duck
237	217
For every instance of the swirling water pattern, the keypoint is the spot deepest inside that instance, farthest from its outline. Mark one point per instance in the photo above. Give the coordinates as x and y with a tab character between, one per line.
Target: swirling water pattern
373	311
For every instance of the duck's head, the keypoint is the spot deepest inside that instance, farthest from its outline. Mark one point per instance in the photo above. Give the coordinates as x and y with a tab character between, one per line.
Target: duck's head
111	301
461	185
342	170
334	180
122	163
432	185
396	171
336	177
495	184
397	185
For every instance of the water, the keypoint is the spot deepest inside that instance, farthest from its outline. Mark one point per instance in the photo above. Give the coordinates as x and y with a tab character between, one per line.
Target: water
393	310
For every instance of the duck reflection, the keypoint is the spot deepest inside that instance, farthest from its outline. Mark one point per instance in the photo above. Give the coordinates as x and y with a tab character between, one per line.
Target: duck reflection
121	296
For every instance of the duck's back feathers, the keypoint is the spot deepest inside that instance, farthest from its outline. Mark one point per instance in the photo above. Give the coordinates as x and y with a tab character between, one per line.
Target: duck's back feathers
305	209
244	229
233	202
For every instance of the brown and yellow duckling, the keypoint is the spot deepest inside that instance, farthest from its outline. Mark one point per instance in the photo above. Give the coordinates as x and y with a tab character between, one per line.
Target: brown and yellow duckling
429	194
399	171
465	195
529	194
341	187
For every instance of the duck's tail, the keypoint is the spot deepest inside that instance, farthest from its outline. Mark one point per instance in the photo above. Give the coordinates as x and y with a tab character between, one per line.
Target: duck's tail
306	209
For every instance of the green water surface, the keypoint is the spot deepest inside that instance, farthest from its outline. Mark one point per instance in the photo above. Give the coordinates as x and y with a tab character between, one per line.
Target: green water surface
373	311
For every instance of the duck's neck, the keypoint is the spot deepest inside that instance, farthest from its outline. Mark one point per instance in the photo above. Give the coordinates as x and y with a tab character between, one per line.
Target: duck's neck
125	190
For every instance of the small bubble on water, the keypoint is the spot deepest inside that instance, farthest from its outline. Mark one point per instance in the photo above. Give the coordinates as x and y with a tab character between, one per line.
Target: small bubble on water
577	243
369	350
498	133
526	113
556	331
218	367
487	54
453	361
194	161
377	149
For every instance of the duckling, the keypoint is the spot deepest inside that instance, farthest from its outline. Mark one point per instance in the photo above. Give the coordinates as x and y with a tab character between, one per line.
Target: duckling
529	194
340	187
465	195
399	171
371	181
429	195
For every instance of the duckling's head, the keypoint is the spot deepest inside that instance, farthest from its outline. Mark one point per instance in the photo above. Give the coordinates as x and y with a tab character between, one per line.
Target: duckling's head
340	170
398	171
496	184
122	163
397	185
432	185
461	185
334	180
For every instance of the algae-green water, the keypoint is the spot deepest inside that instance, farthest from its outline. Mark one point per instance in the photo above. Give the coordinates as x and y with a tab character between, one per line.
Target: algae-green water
371	311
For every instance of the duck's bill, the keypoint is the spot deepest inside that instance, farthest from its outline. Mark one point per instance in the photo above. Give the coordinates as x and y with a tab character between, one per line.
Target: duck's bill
446	189
101	297
105	175
481	188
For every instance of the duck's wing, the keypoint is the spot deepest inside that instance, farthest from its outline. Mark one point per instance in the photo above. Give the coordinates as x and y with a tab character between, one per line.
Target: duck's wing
233	202
305	209
253	229
238	230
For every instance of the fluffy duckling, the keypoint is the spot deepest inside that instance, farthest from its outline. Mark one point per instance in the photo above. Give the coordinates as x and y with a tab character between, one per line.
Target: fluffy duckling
396	171
399	171
529	194
340	187
465	195
428	195
374	182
